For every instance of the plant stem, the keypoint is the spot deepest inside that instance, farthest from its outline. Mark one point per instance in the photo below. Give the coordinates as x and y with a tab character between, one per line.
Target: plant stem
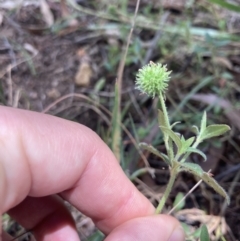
173	175
164	109
168	143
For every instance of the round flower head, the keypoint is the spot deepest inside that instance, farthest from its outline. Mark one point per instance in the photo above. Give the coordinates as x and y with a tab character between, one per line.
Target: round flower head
153	79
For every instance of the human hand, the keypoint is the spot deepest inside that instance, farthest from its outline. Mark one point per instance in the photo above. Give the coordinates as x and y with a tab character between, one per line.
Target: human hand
42	155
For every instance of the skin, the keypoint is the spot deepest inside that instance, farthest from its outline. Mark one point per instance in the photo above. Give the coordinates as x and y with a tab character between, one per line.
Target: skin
45	159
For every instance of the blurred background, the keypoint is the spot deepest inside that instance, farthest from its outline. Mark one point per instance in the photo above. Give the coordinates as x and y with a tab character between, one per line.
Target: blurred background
78	59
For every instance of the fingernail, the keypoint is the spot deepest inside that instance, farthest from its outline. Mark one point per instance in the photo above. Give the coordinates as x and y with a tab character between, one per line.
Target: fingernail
177	235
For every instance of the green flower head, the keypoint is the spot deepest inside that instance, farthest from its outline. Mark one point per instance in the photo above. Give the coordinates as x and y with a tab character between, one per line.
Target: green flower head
153	79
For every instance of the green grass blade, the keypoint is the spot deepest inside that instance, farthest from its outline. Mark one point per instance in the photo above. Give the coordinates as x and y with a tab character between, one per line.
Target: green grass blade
226	5
116	126
204	236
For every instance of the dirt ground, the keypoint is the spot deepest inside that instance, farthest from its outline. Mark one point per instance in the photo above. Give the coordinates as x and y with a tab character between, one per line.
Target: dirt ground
56	69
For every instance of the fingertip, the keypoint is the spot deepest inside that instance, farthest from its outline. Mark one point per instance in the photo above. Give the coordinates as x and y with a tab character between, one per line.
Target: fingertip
151	228
58	226
5	236
177	234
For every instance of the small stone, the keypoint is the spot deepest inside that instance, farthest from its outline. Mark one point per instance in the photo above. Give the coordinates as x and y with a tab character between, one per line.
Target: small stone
84	74
33	95
53	93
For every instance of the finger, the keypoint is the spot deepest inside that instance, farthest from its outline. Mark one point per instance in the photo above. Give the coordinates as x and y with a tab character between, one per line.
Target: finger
46	217
6	236
153	228
42	155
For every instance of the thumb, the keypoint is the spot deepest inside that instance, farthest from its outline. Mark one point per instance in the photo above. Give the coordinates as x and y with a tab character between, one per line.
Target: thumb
151	228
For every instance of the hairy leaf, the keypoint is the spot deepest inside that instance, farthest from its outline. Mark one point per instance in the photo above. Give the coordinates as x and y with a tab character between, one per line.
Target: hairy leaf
175	123
195	150
176	139
161	119
195	130
203	122
182	139
185	144
154	151
197	171
214	130
212	183
192	168
190	141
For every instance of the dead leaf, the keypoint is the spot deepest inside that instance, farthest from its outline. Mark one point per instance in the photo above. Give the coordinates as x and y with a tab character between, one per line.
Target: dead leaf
232	114
47	13
84	74
215	224
173	4
224	62
30	48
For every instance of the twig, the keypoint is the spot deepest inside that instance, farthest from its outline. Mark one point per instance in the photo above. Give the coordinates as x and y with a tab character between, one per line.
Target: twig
10	88
17	98
10	51
123	59
184	198
116	134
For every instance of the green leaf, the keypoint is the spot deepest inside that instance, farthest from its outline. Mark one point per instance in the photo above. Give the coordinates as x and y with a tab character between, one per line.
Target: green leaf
212	183
161	119
190	141
195	150
179	202
197	171
176	139
182	138
154	151
175	123
116	127
97	236
203	122
185	144
226	5
204	236
192	168
214	130
195	130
